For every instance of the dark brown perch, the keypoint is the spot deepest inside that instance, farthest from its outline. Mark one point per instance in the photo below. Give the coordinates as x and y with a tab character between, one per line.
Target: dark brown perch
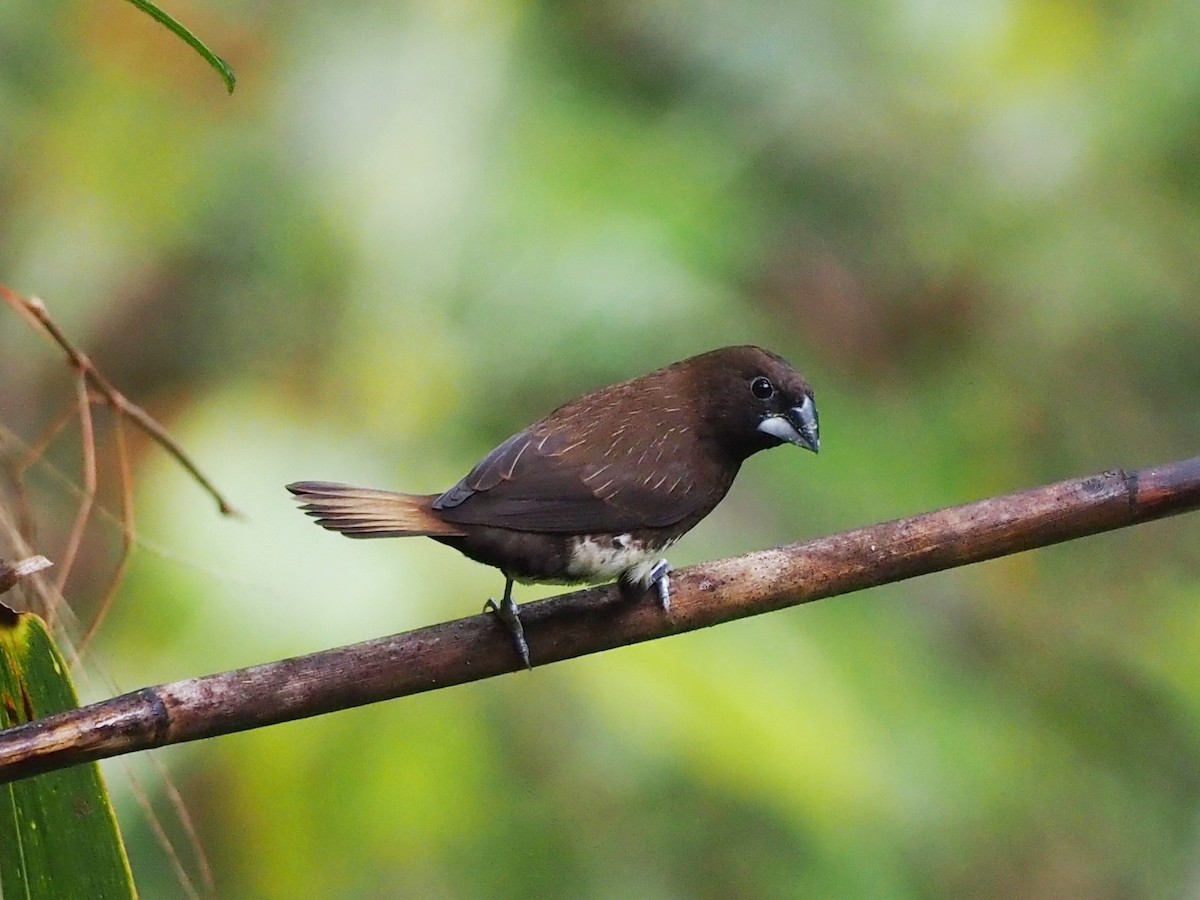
592	620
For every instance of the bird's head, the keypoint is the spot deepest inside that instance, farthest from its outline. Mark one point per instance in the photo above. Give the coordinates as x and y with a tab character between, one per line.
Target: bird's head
754	400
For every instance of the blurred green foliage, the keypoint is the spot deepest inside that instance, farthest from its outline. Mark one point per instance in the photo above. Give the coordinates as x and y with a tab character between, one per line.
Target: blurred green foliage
416	227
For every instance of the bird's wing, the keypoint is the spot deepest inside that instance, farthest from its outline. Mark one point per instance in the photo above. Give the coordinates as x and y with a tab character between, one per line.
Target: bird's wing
550	480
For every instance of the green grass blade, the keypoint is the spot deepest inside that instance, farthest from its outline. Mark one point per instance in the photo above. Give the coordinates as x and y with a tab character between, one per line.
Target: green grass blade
223	68
58	834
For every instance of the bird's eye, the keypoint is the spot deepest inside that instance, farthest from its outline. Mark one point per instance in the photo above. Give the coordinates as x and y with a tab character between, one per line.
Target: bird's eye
762	388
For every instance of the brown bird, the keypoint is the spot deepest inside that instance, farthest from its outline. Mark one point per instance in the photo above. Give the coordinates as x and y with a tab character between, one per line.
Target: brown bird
603	485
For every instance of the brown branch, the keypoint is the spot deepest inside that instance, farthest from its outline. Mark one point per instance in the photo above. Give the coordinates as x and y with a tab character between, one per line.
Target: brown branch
598	619
34	311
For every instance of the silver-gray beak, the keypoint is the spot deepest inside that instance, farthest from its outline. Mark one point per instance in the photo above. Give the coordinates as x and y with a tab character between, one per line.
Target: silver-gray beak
797	426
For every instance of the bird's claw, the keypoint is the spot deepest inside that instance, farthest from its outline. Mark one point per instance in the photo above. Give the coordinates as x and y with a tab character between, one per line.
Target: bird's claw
659	578
506	612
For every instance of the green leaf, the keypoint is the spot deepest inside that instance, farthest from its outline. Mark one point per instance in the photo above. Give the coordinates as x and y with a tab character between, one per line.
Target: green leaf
58	834
223	68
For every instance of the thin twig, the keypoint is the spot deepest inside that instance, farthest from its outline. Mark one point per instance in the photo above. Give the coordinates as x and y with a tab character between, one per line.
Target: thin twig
189	829
32	453
598	619
163	839
33	310
91	388
12	531
128	536
35	450
87	438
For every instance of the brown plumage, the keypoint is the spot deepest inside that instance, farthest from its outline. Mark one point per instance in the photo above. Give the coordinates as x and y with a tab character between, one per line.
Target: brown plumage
602	485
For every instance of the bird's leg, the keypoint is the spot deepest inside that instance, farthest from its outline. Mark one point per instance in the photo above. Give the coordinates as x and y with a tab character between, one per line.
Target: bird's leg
659	577
656	579
506	612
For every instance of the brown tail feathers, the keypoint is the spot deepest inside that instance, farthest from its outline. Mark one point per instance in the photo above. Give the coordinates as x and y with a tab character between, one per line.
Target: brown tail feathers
368	513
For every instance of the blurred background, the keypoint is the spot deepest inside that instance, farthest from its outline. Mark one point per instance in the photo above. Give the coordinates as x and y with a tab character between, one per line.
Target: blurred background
416	227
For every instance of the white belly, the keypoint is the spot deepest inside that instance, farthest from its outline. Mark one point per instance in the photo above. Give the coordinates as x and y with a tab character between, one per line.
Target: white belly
603	559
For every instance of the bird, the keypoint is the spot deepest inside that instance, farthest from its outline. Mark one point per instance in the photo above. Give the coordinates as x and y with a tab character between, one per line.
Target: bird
598	489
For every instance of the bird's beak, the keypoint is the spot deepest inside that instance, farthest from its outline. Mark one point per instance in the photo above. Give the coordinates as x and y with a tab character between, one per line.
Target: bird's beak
797	426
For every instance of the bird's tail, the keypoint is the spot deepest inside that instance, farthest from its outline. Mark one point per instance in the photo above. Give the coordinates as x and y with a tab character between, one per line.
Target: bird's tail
368	513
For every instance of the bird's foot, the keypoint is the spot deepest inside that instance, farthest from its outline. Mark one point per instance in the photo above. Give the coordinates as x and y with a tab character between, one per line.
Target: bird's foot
659	579
506	612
